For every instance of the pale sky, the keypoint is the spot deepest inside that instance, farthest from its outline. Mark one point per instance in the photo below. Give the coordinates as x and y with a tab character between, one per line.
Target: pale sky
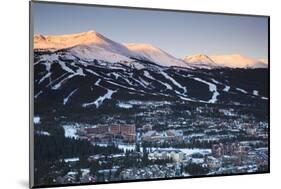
178	33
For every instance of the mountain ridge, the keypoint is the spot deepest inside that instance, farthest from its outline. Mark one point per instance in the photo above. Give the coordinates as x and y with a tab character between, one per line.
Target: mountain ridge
92	45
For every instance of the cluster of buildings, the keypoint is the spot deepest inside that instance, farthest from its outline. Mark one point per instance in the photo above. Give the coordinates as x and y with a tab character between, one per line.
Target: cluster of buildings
234	143
149	172
229	149
72	177
123	133
239	157
173	154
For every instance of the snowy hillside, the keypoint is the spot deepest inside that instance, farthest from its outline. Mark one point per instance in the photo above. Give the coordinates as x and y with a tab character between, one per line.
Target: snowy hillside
200	61
88	70
238	61
87	45
220	61
154	54
92	45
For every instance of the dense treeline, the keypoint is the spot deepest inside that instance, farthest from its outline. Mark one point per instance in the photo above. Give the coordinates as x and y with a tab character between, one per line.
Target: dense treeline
54	148
195	169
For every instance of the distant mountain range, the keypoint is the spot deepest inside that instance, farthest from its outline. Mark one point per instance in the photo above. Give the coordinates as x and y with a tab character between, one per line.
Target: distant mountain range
88	70
93	45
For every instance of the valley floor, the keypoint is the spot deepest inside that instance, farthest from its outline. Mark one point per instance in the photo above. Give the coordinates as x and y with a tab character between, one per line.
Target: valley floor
150	140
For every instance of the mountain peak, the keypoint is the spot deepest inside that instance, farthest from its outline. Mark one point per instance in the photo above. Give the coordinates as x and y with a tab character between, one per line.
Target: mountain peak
68	40
238	61
197	57
155	54
230	61
200	59
91	35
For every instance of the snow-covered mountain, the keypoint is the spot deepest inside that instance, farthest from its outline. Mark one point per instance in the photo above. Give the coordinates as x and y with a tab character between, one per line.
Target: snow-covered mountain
86	45
154	54
264	61
87	70
238	61
224	61
77	83
109	70
201	61
92	45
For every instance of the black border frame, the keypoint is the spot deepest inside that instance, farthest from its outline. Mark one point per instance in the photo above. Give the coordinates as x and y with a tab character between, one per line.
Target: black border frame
31	95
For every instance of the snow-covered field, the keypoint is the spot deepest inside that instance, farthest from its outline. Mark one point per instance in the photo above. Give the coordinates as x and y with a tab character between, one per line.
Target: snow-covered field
70	131
212	88
241	90
100	100
255	92
226	89
124	105
186	151
65	100
36	120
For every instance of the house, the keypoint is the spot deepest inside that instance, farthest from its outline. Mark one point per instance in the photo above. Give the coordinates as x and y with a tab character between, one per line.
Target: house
213	162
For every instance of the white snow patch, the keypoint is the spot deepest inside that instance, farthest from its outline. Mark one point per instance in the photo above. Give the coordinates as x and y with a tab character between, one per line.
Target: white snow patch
115	75
123	147
58	85
156	55
144	82
190	151
166	84
241	90
212	88
36	120
45	133
215	81
47	66
69	131
68	57
124	105
38	94
64	67
49	57
147	74
226	88
138	66
141	83
113	83
44	77
80	72
92	72
55	80
255	92
127	146
186	99
98	102
67	160
186	151
97	83
173	81
65	100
